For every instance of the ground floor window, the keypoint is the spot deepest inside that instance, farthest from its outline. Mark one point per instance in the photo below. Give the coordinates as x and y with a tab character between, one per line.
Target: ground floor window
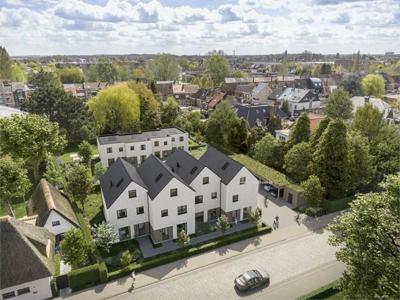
200	217
110	161
141	229
8	295
181	227
24	291
213	214
124	233
246	212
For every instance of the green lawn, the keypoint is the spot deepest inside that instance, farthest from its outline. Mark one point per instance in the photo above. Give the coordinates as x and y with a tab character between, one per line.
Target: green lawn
18	208
336	205
94	208
113	257
66	156
198	152
56	263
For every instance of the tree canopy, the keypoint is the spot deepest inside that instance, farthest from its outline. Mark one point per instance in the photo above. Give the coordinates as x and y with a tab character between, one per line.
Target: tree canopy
313	191
163	67
71	75
368	120
368	242
5	64
218	68
116	109
75	248
339	105
269	151
297	161
79	183
169	112
373	85
103	71
301	130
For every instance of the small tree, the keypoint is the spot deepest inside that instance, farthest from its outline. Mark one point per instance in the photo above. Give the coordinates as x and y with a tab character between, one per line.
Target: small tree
104	236
183	239
126	259
54	173
255	216
373	85
223	224
79	183
75	248
85	151
98	171
339	105
285	107
301	130
313	191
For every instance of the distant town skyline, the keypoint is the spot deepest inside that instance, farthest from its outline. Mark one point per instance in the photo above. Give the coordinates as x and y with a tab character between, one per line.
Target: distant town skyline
194	27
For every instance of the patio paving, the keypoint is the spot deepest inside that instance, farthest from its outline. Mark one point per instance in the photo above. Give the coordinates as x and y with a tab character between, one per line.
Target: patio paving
149	251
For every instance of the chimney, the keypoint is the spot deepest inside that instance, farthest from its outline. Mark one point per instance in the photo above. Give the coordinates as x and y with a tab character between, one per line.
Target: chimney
366	99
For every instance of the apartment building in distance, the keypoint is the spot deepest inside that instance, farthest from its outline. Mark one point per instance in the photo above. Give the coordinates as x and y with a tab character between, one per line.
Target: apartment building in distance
136	147
161	198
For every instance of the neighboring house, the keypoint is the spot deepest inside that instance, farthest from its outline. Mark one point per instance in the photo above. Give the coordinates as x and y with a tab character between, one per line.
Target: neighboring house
282	135
244	91
260	93
201	96
382	106
136	147
311	83
215	100
182	91
315	119
239	187
300	100
26	260
6	95
53	209
258	115
164	88
161	198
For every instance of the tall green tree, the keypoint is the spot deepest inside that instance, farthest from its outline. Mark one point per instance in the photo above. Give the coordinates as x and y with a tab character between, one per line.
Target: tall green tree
313	191
116	109
326	69
269	151
71	75
54	173
169	112
368	120
217	67
373	85
330	162
150	114
31	138
368	242
75	249
356	62
85	151
255	135
17	73
352	85
361	166
204	81
79	183
163	67
339	105
320	130
14	182
301	130
285	107
274	123
5	64
297	161
237	135
105	70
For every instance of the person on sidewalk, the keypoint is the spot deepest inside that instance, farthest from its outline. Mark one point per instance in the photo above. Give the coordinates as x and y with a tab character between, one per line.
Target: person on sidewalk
236	221
133	276
277	221
274	224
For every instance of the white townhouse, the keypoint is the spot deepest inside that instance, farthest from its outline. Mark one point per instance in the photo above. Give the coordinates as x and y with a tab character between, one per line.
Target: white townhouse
300	100
161	198
52	209
239	187
135	148
26	260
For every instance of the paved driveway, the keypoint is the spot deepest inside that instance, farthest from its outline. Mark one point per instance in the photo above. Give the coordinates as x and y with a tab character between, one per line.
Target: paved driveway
279	208
284	260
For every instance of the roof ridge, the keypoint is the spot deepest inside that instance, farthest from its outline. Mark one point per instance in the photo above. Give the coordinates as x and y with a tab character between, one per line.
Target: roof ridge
48	196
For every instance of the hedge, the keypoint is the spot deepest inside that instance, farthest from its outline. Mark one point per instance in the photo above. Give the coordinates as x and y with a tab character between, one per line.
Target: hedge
323	292
84	277
190	251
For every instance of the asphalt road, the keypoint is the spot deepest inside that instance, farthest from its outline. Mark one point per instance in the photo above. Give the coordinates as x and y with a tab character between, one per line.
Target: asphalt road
289	264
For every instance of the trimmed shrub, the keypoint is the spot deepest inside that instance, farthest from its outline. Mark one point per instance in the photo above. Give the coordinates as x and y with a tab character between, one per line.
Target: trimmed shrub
103	273
84	277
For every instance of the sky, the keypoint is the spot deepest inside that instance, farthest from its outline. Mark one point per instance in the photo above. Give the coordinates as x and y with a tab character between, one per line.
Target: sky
49	27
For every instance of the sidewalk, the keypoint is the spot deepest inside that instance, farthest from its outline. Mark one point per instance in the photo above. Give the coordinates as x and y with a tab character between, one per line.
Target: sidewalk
183	266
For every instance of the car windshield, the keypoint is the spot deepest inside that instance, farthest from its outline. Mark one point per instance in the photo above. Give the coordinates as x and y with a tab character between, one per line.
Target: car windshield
249	275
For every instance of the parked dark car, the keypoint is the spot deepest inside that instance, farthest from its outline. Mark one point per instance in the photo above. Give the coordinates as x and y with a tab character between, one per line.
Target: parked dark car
251	279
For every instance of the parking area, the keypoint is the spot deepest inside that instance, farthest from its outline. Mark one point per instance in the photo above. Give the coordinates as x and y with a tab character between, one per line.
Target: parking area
274	208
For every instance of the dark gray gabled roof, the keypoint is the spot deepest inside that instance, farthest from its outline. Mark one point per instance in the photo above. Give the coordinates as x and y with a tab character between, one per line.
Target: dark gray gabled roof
221	164
184	165
26	252
156	175
117	178
252	113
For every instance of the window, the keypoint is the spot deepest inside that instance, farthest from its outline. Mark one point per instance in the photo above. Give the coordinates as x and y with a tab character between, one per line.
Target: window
181	148
132	194
157	153
24	291
206	180
109	150
55	223
173	139
214	195
164	213
156	144
242	180
173	192
142	147
198	199
165	143
181	138
235	198
121	213
110	161
132	148
182	210
140	210
8	295
121	149
142	158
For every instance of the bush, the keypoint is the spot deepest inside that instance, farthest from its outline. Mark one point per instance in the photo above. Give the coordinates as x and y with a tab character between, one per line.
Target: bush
190	251
103	273
84	277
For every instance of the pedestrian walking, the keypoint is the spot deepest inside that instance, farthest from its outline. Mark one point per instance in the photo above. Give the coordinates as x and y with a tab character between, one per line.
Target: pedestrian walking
133	276
236	221
274	225
277	221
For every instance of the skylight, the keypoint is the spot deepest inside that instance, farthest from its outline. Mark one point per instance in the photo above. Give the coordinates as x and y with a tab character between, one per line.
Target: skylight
159	177
226	165
193	170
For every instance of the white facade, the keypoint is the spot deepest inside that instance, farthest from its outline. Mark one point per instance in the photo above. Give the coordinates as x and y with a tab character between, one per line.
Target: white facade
245	186
133	207
136	151
206	192
296	106
282	135
57	224
33	290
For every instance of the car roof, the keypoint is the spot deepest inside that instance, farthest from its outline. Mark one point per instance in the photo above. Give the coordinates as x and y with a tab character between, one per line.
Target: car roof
250	275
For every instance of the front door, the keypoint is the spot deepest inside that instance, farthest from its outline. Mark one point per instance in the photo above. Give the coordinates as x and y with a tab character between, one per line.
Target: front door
181	227
124	233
